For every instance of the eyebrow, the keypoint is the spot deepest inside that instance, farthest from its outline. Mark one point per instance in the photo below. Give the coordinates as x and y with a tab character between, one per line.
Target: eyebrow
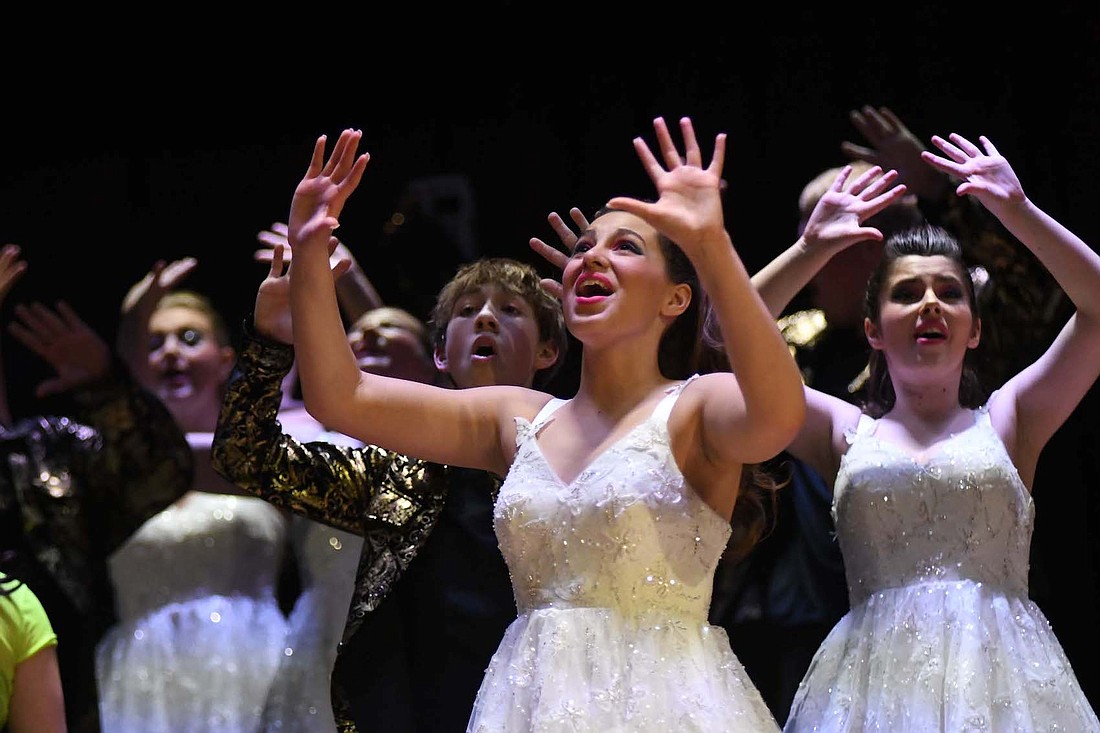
619	231
952	278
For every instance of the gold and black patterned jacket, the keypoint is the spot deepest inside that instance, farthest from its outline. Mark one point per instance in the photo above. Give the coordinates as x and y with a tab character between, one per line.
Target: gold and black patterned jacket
392	500
72	490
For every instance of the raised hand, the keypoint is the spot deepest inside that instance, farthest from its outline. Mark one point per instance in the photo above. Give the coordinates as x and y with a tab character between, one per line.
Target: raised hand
276	236
689	205
893	146
986	175
320	196
837	218
163	278
271	314
12	267
272	238
354	289
76	352
552	254
132	334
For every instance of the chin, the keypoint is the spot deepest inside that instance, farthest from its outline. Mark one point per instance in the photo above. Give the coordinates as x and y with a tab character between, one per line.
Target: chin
176	394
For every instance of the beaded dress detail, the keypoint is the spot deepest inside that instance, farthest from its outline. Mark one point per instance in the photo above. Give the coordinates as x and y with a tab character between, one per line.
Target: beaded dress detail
612	575
941	635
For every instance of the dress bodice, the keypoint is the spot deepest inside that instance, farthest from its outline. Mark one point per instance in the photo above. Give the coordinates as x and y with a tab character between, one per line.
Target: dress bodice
941	635
958	512
203	545
613	574
628	533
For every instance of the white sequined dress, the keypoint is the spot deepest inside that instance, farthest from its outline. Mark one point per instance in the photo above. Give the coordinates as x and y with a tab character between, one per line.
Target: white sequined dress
941	635
612	575
200	634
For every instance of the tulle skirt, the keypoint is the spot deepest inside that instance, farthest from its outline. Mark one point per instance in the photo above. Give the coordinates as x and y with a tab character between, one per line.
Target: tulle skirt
949	656
587	670
204	666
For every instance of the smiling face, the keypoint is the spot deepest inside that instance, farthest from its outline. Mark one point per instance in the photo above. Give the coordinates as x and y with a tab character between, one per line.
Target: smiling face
618	273
492	338
925	317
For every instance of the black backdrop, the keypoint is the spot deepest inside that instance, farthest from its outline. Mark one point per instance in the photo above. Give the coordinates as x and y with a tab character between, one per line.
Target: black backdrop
186	136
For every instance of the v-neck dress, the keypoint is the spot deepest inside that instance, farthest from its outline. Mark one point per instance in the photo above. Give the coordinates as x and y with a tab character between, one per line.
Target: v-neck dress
612	575
941	635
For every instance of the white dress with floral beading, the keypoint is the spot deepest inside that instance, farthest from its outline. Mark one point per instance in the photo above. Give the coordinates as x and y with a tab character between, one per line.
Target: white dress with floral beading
941	635
613	577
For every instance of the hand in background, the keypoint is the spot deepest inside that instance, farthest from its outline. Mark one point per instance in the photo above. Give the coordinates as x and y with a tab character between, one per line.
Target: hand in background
12	267
552	254
77	353
893	146
354	289
132	337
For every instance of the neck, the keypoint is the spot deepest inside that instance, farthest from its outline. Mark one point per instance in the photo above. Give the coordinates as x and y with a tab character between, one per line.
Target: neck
613	382
194	418
928	403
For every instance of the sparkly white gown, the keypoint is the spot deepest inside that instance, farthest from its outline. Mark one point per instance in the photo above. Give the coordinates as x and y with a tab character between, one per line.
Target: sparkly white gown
941	635
613	576
200	634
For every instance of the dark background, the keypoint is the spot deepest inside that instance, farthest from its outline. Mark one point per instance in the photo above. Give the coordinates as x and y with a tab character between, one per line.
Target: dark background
186	136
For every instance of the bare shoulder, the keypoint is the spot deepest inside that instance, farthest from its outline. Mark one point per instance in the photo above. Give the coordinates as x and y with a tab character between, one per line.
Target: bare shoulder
512	402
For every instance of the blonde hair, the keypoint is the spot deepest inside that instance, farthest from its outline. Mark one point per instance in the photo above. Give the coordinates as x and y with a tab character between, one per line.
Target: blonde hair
821	183
201	304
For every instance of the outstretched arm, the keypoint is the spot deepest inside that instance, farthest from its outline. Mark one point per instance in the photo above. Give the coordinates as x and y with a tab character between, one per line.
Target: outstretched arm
459	427
835	223
767	404
1031	406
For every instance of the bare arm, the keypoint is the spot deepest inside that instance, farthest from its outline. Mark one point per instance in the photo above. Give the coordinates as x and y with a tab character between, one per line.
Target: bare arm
460	427
37	703
836	223
752	414
1032	405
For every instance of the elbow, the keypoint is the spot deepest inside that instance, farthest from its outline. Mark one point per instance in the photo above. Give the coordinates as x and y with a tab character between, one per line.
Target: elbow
318	409
328	411
795	419
779	422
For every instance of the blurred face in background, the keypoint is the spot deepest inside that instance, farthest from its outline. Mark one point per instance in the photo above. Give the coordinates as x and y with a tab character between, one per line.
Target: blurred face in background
188	366
393	343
